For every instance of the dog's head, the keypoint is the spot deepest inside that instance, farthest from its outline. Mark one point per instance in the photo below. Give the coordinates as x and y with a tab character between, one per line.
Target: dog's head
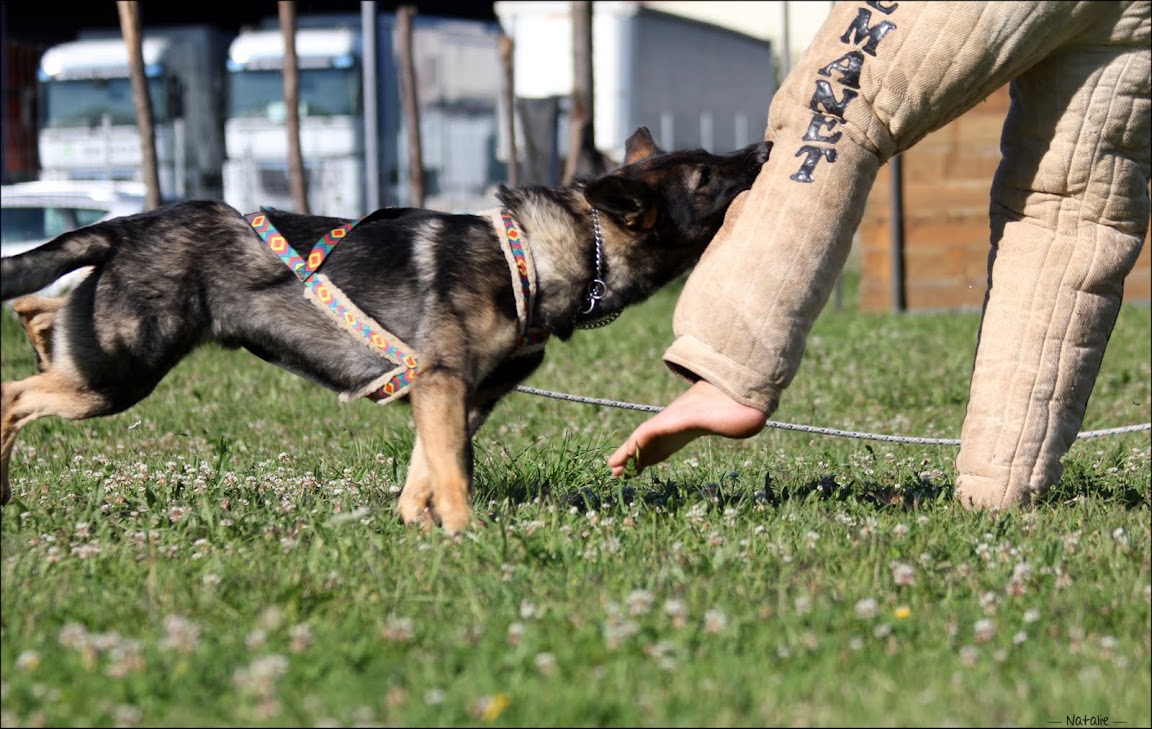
669	205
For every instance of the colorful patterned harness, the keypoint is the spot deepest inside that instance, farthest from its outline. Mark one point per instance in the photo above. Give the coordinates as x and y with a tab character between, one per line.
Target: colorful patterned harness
325	294
523	271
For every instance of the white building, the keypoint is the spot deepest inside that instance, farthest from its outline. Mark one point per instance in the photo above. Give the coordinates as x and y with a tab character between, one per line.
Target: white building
789	25
692	83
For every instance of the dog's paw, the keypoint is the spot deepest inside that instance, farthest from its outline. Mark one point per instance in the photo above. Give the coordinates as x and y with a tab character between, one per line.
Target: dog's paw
414	509
425	519
456	523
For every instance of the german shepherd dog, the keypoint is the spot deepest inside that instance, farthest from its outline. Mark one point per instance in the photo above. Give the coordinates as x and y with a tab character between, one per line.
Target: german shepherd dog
166	281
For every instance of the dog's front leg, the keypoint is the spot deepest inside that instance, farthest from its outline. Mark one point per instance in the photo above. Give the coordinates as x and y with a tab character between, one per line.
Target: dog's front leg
439	407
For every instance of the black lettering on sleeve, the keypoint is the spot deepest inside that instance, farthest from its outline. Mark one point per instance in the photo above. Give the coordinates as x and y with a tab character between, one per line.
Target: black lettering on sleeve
886	9
826	98
819	121
812	156
848	66
859	30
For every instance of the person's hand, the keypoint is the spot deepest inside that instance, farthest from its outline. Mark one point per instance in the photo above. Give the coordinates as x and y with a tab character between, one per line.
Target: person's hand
702	410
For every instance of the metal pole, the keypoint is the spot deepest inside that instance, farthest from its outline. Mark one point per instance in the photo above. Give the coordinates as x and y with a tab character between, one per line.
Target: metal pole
896	223
786	52
4	176
371	111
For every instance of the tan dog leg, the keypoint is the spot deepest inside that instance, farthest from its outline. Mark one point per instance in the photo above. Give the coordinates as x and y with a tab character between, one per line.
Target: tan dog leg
38	316
439	408
26	400
415	502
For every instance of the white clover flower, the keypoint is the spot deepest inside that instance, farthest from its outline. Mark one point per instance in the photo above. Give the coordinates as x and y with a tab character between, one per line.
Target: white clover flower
639	602
617	631
300	636
984	630
260	676
903	573
180	634
255	639
715	621
73	635
969	655
675	608
866	608
545	663
28	660
399	630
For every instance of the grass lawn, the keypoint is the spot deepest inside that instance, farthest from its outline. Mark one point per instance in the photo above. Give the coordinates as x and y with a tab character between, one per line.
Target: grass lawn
227	554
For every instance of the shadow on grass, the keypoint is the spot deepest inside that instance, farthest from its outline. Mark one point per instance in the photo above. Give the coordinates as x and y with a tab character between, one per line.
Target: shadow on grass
1075	489
673	495
670	495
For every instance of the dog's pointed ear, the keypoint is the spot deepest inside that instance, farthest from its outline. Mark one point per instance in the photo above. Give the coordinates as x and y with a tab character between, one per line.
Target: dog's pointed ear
640	146
629	200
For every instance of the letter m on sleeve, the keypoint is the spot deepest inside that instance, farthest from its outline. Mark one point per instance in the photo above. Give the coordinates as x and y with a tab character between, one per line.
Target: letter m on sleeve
859	32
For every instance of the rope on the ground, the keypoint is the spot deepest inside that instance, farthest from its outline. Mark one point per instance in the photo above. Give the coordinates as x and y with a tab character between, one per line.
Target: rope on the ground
815	429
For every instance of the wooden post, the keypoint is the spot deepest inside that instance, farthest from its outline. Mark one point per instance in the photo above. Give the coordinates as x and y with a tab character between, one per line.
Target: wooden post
507	62
410	103
581	130
291	72
130	28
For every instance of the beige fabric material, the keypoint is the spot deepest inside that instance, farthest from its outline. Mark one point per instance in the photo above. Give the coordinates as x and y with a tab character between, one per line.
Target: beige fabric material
1069	213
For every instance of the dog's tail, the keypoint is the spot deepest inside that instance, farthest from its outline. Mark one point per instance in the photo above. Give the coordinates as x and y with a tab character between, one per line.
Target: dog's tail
32	270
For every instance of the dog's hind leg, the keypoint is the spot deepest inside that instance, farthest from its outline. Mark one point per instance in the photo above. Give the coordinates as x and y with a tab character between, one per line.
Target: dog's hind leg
439	407
38	318
415	502
50	393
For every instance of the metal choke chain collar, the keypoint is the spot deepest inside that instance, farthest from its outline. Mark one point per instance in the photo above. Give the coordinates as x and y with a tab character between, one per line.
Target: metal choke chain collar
596	288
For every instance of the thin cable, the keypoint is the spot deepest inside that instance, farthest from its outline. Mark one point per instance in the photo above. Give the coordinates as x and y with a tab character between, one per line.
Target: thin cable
815	429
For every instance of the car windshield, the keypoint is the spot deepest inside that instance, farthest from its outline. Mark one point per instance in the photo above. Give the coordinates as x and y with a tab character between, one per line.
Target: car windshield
323	92
38	223
85	102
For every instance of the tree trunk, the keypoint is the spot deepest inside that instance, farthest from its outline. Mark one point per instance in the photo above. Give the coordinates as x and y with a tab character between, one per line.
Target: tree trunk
583	157
509	92
410	103
130	28
296	180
